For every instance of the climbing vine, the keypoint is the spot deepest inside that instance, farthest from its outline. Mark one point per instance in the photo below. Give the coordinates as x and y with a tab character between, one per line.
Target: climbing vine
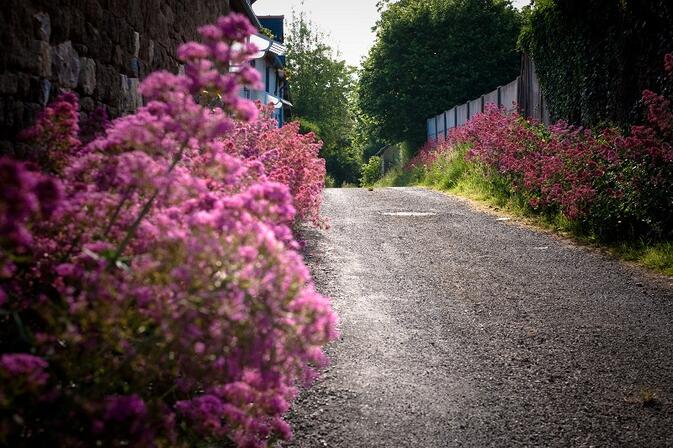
595	57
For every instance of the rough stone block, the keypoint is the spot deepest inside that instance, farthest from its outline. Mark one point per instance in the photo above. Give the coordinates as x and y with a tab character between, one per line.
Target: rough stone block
87	104
81	49
30	111
107	84
130	99
135	99
14	114
39	90
35	58
94	41
134	67
45	92
42	26
136	44
93	11
118	57
123	93
66	65
150	51
9	83
87	75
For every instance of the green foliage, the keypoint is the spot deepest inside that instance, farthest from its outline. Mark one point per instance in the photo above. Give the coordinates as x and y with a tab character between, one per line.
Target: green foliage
399	177
365	134
658	257
321	85
450	172
267	32
432	54
595	57
306	126
329	182
371	171
343	163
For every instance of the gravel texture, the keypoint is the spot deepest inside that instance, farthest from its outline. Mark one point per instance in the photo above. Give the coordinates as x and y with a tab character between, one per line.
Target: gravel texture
460	328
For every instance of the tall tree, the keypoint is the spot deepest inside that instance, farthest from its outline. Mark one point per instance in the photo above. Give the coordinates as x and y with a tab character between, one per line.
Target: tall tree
432	54
320	85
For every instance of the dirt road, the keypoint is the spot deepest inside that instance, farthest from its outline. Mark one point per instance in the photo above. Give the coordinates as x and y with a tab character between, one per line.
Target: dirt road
462	329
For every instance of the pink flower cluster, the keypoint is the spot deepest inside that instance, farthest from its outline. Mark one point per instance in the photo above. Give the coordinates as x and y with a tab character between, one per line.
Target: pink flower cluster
288	157
613	183
54	134
26	196
28	367
152	289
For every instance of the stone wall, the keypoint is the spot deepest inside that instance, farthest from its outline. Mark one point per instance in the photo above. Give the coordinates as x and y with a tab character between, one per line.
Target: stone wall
100	49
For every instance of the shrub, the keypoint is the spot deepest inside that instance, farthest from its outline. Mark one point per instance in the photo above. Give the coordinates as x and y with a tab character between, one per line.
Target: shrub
151	289
306	126
288	156
612	185
371	171
329	182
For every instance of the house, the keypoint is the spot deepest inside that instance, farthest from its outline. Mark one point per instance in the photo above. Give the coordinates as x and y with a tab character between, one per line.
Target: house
270	63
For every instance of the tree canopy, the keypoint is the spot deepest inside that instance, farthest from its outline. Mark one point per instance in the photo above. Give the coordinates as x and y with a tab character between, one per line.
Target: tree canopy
432	54
321	85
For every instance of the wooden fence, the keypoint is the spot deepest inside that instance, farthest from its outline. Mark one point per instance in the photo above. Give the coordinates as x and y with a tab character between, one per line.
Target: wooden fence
522	94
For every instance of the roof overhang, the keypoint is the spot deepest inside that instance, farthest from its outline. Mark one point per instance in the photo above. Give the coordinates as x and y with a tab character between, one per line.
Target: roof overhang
277	102
267	45
274	100
246	9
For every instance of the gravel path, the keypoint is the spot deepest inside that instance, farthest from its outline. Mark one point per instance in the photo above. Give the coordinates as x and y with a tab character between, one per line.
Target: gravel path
460	329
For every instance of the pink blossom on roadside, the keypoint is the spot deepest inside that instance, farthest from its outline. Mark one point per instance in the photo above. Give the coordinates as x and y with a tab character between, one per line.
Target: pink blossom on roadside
29	367
611	182
158	268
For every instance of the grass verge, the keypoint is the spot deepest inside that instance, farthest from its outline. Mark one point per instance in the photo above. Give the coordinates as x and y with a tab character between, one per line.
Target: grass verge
451	173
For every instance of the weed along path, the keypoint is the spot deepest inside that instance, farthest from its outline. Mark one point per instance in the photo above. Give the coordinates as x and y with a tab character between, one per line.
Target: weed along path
460	329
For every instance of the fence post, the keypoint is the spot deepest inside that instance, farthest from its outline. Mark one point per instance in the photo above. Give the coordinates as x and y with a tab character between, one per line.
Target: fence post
446	133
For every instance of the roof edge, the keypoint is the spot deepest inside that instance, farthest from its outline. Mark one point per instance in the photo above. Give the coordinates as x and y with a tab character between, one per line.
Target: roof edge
247	8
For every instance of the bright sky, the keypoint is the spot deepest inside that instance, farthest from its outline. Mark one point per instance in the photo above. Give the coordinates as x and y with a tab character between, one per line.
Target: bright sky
348	22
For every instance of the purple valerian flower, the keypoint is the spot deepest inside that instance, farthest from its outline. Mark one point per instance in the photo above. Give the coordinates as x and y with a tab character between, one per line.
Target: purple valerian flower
28	367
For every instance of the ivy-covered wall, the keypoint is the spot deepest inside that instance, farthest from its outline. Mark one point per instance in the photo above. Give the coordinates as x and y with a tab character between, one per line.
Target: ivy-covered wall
100	49
595	57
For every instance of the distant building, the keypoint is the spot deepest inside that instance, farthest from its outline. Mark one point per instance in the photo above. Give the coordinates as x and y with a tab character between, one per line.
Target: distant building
270	63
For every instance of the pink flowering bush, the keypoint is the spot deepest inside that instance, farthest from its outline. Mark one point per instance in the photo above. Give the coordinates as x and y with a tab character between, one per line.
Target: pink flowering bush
288	157
615	186
55	134
151	289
